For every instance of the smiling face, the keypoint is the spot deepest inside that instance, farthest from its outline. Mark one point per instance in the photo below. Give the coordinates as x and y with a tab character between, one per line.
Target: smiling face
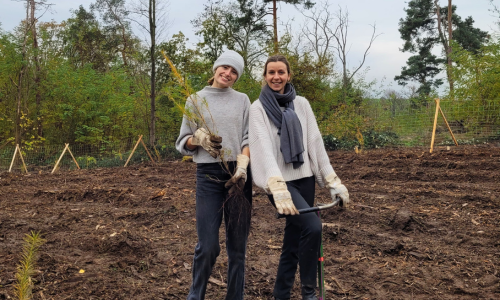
224	77
277	76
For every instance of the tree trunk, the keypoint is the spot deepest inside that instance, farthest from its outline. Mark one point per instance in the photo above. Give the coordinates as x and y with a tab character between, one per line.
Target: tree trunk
20	79
445	42
275	25
345	79
448	52
152	31
38	95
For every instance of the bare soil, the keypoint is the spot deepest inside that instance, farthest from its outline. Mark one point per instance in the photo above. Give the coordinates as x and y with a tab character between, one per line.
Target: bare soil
420	226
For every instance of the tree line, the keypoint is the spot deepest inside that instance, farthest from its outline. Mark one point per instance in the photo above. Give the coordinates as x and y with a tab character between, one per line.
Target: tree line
93	78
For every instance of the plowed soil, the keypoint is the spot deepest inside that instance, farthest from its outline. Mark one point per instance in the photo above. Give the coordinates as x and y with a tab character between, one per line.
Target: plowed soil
420	226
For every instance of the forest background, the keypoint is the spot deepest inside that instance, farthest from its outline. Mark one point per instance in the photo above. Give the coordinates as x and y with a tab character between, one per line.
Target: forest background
95	83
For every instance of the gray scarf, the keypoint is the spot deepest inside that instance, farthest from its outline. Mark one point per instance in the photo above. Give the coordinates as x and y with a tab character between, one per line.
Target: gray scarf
289	127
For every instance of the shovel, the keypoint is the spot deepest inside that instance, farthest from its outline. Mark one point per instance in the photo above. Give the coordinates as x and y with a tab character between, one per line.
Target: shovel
320	206
321	261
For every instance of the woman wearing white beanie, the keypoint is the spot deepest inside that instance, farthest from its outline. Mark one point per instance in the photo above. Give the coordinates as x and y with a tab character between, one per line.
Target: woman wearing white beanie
225	112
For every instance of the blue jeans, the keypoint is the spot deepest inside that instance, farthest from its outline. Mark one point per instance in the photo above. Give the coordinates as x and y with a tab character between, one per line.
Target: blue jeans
212	204
301	242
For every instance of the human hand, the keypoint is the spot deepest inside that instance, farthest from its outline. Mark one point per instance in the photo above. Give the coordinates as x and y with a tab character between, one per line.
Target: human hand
237	182
337	189
282	197
211	143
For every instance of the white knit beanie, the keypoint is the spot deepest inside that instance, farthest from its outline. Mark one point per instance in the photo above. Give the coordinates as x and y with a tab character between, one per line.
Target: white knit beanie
230	58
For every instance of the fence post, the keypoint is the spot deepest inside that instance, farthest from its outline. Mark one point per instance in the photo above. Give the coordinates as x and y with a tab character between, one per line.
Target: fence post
60	157
435	124
133	150
18	149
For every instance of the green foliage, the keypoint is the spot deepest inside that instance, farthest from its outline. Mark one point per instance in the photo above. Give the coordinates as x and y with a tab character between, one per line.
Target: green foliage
477	85
306	3
419	31
10	65
342	122
371	139
239	26
95	81
477	76
83	105
422	68
332	143
308	76
209	27
248	86
86	42
374	139
86	161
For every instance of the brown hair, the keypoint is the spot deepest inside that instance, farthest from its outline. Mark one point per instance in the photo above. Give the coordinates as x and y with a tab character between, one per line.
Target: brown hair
278	58
211	81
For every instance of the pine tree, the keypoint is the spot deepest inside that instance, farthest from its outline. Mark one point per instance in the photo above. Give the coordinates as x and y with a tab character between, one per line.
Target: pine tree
427	26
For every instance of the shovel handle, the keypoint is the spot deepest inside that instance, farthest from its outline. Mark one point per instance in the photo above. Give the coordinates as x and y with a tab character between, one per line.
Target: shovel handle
320	206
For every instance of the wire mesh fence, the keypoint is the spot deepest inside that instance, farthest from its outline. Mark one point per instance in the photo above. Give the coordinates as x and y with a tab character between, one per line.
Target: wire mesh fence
408	124
88	155
470	121
411	124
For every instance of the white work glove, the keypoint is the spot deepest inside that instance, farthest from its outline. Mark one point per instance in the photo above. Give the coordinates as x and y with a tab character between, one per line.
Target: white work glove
240	176
211	143
281	195
337	189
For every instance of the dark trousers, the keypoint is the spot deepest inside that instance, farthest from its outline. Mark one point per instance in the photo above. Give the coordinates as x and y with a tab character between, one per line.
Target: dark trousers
301	242
212	204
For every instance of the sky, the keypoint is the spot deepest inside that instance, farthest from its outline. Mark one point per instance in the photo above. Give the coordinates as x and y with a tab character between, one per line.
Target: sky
384	60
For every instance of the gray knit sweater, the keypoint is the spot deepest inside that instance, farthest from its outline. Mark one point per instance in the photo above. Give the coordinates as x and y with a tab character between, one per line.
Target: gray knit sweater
266	158
226	114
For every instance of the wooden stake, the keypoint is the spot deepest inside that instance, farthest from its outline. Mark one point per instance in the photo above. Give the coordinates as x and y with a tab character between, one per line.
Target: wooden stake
59	160
447	125
22	159
18	149
157	154
133	150
147	151
76	163
435	124
13	159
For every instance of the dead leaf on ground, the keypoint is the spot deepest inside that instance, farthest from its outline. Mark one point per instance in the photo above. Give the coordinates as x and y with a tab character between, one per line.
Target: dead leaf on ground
217	282
159	194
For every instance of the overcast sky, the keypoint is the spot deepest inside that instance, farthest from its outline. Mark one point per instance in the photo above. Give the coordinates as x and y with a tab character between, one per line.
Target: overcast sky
384	59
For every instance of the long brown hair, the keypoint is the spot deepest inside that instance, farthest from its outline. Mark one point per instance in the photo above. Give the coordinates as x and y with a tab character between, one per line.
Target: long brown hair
278	58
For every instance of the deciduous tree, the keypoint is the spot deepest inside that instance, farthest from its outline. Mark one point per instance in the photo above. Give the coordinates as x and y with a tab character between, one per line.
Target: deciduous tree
306	3
154	14
237	25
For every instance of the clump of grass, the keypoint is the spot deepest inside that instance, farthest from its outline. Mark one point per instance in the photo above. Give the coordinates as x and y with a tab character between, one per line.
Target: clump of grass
26	268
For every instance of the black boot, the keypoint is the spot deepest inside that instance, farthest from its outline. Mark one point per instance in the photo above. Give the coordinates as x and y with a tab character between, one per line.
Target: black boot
281	298
309	292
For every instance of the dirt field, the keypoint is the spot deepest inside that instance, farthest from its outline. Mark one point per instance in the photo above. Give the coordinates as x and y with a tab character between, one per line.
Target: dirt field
421	226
